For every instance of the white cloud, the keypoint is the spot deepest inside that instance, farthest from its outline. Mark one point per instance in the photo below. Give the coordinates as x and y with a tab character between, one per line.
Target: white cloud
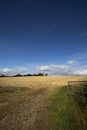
5	70
44	68
8	71
78	59
72	62
62	70
81	72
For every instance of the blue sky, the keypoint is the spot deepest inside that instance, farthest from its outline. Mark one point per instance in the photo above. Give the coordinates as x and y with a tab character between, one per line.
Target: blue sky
43	36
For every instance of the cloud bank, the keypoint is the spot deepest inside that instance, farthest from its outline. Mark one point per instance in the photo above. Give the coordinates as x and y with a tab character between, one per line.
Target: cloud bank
54	69
7	71
75	66
62	69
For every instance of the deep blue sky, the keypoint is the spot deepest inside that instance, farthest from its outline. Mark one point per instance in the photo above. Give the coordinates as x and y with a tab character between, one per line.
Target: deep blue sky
41	32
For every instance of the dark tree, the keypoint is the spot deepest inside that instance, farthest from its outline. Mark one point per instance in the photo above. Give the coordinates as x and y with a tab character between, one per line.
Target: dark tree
40	74
28	75
2	75
18	75
46	74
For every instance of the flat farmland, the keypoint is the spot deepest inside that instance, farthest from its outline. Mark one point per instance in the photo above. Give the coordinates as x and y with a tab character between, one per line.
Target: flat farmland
38	81
38	103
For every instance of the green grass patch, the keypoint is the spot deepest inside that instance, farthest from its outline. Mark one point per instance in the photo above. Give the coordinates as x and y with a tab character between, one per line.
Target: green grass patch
64	112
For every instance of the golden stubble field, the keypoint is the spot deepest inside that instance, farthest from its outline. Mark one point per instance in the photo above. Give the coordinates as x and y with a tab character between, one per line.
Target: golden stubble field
35	82
22	100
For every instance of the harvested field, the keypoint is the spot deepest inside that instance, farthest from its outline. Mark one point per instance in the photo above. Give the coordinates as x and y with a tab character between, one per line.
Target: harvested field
38	81
24	101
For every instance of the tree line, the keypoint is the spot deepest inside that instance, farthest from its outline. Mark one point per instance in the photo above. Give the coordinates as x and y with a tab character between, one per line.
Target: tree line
21	75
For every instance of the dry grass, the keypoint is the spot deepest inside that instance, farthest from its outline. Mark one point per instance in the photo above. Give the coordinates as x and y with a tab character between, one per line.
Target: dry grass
22	104
38	81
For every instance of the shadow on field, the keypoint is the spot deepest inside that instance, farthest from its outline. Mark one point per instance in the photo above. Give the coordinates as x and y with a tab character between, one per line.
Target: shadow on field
16	90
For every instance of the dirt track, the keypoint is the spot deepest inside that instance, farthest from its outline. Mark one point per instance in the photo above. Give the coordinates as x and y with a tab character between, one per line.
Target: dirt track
24	111
25	108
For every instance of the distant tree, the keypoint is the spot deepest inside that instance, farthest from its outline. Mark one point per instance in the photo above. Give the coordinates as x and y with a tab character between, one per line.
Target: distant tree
46	74
28	75
18	75
40	74
34	74
2	75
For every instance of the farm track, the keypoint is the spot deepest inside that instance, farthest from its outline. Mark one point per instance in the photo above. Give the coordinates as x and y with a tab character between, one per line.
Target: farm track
25	113
25	108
